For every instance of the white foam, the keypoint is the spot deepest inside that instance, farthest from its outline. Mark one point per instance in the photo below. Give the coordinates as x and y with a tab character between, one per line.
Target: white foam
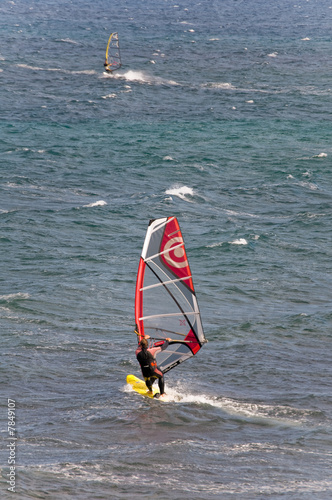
181	192
142	77
257	411
273	54
321	155
14	296
240	241
213	245
99	203
309	185
218	85
66	40
59	70
108	96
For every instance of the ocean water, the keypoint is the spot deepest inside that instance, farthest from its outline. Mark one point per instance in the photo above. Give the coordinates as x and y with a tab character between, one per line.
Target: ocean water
221	115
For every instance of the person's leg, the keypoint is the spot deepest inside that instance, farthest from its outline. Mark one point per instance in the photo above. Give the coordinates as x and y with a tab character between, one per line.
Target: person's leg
148	382
161	381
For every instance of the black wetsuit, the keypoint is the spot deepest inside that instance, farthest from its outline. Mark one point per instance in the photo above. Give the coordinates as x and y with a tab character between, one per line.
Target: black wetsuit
149	366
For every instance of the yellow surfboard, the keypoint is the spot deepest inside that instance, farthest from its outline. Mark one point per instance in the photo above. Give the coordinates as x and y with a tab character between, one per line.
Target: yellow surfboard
140	387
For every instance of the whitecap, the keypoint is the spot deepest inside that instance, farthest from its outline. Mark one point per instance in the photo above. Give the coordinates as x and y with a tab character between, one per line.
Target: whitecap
133	76
140	76
321	155
14	296
181	192
108	96
309	185
99	203
273	54
240	241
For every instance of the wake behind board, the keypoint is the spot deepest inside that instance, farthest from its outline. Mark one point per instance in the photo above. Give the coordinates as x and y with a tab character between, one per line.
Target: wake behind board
139	386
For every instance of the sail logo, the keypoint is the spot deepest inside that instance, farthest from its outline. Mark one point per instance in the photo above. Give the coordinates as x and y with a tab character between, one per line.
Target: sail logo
175	257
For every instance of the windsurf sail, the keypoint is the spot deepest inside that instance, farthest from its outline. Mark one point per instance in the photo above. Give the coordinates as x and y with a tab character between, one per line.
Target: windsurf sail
112	58
165	299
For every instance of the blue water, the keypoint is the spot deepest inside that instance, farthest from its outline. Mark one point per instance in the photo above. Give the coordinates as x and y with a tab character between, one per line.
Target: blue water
221	116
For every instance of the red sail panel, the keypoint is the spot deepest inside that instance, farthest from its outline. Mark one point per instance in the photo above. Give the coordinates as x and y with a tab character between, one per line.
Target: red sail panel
192	342
173	252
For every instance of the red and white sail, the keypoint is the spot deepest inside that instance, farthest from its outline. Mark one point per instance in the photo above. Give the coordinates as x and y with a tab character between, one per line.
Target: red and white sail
165	300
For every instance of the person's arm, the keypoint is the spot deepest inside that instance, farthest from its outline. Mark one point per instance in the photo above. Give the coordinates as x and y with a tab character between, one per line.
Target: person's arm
165	344
155	350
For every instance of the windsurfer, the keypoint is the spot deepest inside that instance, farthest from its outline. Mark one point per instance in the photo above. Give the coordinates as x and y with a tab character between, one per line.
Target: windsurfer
107	67
147	360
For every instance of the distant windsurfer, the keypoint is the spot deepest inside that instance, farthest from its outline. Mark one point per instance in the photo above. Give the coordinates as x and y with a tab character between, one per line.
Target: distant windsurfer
147	360
107	67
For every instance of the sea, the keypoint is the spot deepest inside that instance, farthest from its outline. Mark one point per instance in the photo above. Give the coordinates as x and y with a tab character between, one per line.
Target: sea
221	116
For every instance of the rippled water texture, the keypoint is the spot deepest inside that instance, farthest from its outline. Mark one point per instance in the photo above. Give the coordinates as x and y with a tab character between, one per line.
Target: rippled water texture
220	116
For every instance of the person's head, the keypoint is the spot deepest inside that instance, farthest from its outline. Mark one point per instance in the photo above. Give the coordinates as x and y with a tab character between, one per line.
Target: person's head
144	344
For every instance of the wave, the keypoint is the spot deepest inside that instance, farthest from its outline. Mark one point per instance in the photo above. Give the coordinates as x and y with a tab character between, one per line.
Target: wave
258	412
141	77
182	192
59	70
240	241
66	40
99	203
14	296
218	85
109	96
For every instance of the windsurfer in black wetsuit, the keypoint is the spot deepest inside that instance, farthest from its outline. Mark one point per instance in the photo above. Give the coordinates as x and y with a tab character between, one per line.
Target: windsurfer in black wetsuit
147	360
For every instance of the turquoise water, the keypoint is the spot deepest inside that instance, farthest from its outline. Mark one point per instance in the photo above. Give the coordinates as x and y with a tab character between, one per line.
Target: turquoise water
221	116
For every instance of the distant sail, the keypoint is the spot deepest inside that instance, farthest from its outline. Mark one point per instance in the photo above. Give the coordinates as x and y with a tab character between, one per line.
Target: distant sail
112	59
165	300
